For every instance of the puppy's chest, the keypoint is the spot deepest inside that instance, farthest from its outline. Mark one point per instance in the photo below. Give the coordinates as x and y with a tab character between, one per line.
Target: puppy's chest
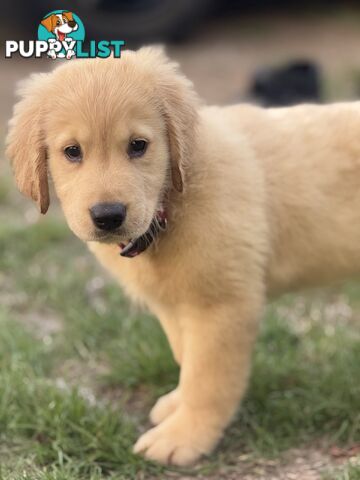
144	278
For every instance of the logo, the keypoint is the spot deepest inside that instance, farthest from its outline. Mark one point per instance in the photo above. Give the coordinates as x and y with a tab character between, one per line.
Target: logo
61	30
61	34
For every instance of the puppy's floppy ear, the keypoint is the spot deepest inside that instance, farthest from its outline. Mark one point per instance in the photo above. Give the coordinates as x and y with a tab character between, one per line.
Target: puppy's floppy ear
179	103
68	16
26	144
49	22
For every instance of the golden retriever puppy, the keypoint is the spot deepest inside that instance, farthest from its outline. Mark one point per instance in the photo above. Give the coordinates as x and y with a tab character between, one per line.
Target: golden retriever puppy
200	212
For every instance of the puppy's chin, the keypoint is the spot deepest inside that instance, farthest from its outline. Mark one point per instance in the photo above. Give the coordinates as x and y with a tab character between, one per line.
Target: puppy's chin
123	235
109	238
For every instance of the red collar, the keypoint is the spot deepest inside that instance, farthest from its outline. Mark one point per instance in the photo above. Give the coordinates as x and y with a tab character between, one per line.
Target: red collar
140	244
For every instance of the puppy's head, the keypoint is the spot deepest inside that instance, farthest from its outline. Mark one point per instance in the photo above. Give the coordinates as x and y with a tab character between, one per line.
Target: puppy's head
115	135
64	22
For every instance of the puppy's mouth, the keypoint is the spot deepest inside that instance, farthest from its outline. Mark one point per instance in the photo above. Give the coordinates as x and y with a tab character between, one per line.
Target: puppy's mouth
61	36
138	245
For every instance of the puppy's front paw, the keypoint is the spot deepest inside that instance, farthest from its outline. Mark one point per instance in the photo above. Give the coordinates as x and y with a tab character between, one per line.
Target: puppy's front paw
181	439
165	405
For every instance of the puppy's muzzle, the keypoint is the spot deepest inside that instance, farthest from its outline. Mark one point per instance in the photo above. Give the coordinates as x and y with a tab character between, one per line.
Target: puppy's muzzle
71	23
108	216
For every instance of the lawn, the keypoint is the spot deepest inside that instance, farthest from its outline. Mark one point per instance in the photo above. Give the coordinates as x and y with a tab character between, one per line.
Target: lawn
80	368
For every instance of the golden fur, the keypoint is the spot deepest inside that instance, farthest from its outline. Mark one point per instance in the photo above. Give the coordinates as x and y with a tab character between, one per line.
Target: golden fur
259	202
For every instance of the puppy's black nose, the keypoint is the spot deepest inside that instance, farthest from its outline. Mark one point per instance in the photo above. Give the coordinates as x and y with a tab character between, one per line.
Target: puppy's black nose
108	216
72	23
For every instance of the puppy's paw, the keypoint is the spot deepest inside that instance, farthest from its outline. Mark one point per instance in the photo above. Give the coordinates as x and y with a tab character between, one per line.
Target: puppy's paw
69	54
181	439
165	405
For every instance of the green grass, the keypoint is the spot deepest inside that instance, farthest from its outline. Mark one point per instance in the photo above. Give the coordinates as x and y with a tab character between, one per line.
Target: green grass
304	387
349	472
54	425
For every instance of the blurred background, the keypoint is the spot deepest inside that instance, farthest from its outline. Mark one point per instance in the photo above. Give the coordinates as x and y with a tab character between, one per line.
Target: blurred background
222	45
70	345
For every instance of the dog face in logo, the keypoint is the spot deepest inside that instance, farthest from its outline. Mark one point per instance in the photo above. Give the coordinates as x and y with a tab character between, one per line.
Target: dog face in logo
60	25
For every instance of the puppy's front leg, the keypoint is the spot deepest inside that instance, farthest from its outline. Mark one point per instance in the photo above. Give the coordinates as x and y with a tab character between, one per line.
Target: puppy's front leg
167	404
217	346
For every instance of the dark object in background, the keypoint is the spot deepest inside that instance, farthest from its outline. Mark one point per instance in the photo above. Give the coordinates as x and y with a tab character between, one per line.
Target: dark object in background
294	83
139	21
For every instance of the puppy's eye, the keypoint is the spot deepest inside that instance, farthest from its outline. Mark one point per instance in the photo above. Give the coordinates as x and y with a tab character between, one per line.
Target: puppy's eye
58	22
137	147
73	153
